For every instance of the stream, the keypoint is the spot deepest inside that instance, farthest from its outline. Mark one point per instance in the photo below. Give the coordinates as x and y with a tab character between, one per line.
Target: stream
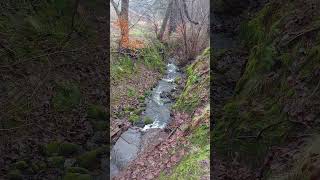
158	106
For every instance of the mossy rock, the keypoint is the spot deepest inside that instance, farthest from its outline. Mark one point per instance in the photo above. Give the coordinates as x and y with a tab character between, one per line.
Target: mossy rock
56	161
67	97
147	120
67	149
62	149
77	176
52	148
177	80
100	125
97	112
15	175
91	159
77	170
21	165
147	93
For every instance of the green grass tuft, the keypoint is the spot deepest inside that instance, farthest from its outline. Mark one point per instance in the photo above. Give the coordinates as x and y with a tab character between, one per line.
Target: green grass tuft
68	96
97	112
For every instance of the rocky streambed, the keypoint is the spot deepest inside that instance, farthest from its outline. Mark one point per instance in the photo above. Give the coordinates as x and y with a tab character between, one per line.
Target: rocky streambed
136	138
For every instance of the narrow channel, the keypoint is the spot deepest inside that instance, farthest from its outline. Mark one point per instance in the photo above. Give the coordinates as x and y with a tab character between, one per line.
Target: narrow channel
158	108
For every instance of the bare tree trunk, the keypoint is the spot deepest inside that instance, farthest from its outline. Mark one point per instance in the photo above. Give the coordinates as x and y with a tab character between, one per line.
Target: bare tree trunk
124	23
173	18
123	18
187	13
165	20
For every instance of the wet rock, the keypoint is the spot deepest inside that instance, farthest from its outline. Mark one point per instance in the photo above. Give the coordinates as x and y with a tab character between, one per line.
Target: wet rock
114	170
69	162
126	148
139	124
91	159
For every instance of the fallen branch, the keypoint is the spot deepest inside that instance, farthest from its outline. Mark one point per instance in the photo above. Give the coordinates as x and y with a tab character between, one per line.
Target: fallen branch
172	132
299	34
259	135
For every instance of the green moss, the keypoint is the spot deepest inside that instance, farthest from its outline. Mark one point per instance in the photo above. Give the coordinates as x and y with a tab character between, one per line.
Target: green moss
67	149
239	129
152	58
56	161
21	165
100	125
52	148
141	98
190	167
187	104
15	175
131	92
195	87
147	93
134	118
77	170
261	60
68	96
77	176
147	120
97	112
62	149
200	136
123	67
90	159
138	111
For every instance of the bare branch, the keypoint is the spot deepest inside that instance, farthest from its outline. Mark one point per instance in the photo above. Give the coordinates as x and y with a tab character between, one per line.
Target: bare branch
187	13
116	7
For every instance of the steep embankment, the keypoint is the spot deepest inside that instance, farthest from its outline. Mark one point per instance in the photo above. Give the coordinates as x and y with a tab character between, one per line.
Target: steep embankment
184	150
275	109
53	89
132	80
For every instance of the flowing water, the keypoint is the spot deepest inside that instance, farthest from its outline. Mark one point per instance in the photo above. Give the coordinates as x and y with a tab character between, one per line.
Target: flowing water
158	107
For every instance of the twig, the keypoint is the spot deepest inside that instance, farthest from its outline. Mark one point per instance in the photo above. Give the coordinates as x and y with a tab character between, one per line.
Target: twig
315	90
258	136
172	132
299	34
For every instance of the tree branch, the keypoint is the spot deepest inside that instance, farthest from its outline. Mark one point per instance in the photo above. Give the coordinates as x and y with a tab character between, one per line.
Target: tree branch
187	13
116	7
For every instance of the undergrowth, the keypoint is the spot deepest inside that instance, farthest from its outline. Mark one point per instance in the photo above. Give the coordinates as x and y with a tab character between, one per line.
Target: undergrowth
255	118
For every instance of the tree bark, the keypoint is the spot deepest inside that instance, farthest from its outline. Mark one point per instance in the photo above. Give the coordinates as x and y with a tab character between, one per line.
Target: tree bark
124	24
123	19
165	20
187	13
